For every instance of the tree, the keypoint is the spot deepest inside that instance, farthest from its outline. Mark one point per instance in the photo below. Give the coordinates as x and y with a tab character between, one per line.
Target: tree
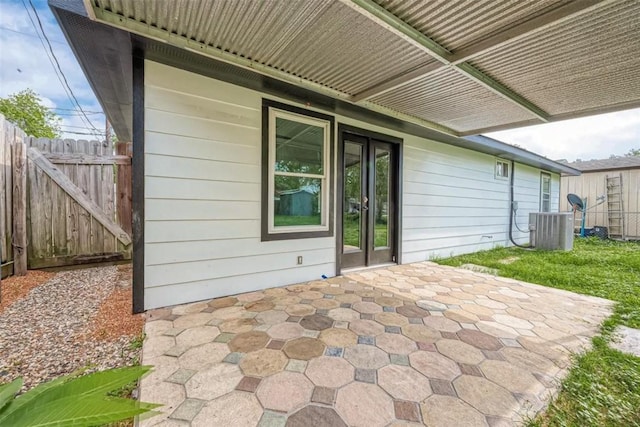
634	152
25	110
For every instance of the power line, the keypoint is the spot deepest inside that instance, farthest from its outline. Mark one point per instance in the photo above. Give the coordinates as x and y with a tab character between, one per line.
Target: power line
58	64
82	133
70	114
26	34
53	55
72	109
78	127
48	55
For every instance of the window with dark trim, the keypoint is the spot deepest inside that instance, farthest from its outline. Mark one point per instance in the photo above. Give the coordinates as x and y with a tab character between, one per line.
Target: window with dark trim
545	192
297	172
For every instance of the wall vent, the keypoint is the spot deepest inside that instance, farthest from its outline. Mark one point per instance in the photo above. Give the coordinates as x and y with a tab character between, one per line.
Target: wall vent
551	230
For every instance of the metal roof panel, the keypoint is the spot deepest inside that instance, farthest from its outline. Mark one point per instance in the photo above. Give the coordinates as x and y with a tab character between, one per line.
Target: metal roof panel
562	71
436	98
459	23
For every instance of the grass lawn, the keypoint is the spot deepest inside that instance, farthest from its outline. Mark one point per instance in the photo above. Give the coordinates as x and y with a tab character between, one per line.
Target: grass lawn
603	387
287	220
351	233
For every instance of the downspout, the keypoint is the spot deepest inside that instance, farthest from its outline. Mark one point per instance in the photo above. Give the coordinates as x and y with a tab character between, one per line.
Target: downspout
512	211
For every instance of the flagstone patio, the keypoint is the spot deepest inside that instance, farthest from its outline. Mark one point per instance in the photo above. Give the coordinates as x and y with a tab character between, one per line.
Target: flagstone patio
406	345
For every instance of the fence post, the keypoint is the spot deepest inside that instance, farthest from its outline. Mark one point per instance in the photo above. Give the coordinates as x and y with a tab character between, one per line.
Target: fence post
123	188
19	156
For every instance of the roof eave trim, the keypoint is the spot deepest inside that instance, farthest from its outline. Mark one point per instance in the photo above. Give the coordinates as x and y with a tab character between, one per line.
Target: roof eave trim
523	156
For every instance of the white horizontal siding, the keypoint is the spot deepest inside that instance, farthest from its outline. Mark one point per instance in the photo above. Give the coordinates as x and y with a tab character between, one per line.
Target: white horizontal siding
162	296
202	195
203	203
452	202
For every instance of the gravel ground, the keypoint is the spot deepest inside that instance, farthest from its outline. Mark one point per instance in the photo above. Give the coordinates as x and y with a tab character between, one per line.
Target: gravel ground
47	333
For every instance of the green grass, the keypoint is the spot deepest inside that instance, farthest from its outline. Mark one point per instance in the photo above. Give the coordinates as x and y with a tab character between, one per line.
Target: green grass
351	236
603	387
288	220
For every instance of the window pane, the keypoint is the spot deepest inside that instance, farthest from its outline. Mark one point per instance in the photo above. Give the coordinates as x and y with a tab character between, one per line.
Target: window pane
297	201
381	212
352	223
299	147
546	184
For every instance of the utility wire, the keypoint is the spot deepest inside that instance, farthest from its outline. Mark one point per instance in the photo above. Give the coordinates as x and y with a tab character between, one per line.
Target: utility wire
78	127
72	109
48	55
73	114
82	133
55	59
26	34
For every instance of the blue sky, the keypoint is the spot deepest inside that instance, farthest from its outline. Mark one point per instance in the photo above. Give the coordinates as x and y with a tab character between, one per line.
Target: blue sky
24	64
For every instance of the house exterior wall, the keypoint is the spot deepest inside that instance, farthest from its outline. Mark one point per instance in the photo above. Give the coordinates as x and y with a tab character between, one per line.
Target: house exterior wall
593	185
203	202
454	204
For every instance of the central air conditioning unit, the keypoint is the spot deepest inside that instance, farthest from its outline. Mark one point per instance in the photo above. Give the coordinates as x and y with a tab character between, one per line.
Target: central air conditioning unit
551	230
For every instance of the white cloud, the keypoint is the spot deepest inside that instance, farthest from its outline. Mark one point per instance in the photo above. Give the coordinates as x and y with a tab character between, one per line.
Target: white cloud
24	64
595	137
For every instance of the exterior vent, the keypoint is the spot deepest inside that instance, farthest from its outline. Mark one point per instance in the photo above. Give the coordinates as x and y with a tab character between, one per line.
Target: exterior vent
551	230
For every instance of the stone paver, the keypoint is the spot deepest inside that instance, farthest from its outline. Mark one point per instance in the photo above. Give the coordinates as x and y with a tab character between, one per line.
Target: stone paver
406	345
330	371
335	337
216	381
366	356
249	341
434	365
486	396
404	383
263	363
446	411
363	404
285	391
304	348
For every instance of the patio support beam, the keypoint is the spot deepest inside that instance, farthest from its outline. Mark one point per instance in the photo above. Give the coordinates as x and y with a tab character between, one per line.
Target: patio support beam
534	25
537	24
397	81
394	24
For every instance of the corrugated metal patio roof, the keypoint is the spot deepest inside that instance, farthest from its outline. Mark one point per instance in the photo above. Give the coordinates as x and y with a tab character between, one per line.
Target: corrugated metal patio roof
461	67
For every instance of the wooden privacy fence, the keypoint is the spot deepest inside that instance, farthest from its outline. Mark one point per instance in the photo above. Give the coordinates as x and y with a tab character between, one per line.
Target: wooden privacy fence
63	202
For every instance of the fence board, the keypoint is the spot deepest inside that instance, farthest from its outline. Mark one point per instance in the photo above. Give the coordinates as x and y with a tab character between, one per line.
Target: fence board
3	199
70	201
84	219
96	196
78	195
19	160
6	250
58	206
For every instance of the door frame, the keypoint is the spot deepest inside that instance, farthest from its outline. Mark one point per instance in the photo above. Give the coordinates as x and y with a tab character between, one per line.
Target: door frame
397	144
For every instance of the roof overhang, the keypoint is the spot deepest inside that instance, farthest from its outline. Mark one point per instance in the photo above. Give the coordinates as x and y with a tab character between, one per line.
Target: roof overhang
104	35
458	67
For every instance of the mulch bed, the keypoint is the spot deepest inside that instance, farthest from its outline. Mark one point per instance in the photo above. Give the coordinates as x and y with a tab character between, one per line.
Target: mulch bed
52	324
16	287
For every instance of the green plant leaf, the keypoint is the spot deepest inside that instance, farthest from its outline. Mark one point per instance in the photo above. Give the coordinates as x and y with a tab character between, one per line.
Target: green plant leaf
65	392
9	391
30	395
89	410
